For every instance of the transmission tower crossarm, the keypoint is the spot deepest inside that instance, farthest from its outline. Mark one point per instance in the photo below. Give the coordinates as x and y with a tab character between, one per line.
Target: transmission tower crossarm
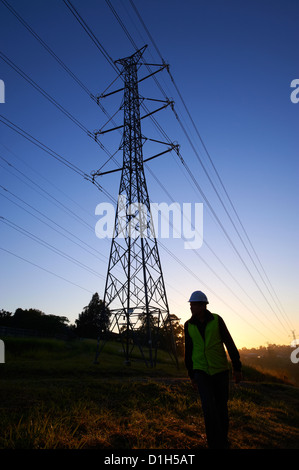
173	147
111	93
162	67
155	99
157	65
167	103
159	154
108	130
105	172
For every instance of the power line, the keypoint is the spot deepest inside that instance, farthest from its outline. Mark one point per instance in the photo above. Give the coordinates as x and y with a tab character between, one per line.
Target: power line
25	176
195	182
42	42
40	176
95	252
237	231
82	221
214	272
146	29
49	246
53	101
133	43
44	93
55	56
219	178
85	23
42	242
211	161
42	190
163	246
121	23
52	153
190	174
203	283
230	241
46	149
44	269
205	262
90	34
196	276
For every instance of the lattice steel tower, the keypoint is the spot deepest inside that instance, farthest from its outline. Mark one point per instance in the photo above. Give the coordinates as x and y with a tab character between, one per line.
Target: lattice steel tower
135	291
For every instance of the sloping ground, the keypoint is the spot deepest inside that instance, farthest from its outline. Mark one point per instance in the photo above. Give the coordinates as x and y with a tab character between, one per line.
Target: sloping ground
52	396
140	414
264	416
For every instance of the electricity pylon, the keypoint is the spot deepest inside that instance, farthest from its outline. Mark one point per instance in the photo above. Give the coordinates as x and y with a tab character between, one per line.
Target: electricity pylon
135	291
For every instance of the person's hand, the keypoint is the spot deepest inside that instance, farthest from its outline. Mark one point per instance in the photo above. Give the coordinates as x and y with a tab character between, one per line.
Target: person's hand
237	376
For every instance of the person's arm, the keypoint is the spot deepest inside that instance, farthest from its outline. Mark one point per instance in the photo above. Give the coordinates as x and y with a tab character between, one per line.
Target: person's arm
231	349
188	351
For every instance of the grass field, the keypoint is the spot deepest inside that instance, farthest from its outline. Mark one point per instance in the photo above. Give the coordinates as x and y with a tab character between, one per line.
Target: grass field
52	396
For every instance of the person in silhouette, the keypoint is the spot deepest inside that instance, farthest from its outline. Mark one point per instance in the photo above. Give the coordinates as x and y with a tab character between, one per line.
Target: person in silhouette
207	366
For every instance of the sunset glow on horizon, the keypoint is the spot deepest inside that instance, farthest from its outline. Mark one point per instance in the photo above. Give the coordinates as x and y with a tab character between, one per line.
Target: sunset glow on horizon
237	132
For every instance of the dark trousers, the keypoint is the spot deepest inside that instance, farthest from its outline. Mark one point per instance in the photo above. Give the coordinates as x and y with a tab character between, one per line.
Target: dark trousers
213	391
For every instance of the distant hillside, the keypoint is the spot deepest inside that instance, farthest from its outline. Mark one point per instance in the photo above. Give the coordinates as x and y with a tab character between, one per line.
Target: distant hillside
273	359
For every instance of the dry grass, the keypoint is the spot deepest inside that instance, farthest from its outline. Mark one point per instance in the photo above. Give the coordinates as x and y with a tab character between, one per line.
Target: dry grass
55	398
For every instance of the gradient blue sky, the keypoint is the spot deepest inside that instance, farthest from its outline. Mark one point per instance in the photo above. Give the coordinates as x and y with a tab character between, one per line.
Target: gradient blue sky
233	63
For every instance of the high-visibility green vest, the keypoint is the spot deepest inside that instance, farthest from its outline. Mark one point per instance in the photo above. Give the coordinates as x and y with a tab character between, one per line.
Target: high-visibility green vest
208	354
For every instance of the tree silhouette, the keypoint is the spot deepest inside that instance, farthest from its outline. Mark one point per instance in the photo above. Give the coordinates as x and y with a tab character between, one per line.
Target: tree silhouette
161	334
94	319
34	319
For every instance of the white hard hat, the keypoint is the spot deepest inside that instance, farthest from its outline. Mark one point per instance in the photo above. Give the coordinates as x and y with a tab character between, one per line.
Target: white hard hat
198	296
